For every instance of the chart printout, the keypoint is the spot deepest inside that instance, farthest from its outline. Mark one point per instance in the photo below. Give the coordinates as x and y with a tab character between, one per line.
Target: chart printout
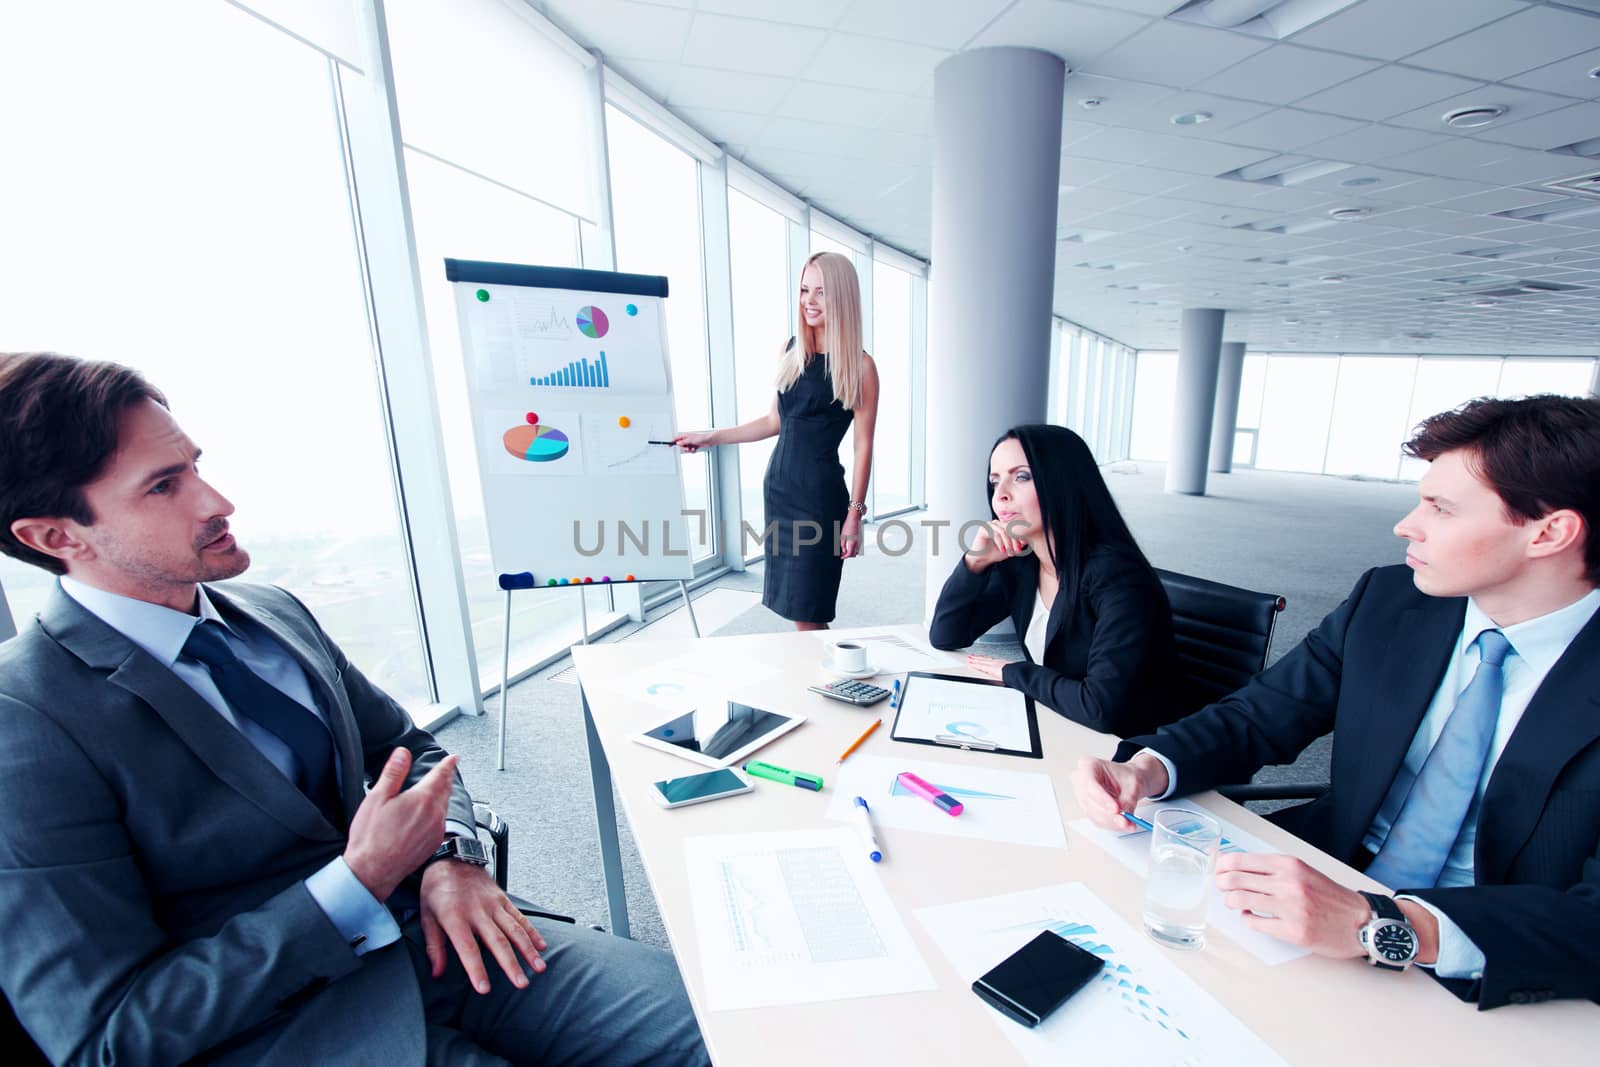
1139	1011
793	917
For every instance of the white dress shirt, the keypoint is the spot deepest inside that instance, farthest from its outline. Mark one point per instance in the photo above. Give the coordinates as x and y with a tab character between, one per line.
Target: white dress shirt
162	632
1536	646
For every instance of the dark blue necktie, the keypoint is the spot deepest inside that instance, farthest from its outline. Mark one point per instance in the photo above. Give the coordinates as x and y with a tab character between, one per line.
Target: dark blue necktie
251	696
1431	818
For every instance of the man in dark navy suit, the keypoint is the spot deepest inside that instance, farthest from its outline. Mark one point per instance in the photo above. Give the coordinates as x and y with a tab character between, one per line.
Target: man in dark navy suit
1463	693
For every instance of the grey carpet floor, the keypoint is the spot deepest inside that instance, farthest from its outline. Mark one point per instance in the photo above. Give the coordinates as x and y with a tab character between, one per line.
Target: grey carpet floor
1306	537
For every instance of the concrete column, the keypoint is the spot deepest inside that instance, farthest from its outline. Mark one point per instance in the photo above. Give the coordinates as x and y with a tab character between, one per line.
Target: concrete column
1225	415
1199	353
996	178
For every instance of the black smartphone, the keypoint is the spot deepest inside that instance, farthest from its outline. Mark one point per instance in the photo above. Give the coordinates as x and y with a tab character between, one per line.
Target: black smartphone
1036	979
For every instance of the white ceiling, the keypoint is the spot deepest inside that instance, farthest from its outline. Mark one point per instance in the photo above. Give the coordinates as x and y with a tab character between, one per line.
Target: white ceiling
833	99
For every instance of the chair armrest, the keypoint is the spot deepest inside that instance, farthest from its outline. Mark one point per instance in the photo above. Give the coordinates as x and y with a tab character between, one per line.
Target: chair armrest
1274	791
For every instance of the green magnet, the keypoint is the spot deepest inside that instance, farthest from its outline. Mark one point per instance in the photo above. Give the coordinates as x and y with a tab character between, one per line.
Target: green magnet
483	296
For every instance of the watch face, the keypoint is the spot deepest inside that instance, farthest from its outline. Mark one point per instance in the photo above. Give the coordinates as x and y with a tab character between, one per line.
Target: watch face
1394	942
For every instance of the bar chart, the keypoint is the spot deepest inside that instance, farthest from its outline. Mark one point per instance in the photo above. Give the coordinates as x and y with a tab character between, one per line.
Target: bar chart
579	374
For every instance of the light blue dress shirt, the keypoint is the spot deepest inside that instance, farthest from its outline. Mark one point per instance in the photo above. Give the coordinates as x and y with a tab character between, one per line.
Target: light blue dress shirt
364	923
1537	644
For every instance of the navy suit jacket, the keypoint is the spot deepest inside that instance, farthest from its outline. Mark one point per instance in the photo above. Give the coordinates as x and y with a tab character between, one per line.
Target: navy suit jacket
1109	656
1368	674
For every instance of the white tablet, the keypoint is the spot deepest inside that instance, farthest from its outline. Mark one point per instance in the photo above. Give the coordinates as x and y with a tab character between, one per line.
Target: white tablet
719	736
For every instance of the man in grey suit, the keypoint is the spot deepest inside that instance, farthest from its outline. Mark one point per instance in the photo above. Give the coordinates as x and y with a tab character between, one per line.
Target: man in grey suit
192	867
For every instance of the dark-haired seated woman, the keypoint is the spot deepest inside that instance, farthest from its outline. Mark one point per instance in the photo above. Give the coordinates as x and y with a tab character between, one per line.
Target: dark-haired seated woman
1059	560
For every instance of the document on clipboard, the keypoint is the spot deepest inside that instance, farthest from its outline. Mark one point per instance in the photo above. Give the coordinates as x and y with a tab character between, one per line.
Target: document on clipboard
966	713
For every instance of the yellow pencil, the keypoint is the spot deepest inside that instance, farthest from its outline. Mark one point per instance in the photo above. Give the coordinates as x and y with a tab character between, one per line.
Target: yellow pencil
857	742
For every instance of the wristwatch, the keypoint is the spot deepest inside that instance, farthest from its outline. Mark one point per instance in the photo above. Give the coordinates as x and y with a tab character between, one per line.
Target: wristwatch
463	850
1390	941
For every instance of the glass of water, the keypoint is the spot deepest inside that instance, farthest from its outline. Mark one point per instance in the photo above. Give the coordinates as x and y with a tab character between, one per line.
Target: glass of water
1183	851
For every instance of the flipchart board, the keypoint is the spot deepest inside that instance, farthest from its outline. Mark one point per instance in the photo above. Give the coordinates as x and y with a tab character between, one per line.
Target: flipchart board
569	382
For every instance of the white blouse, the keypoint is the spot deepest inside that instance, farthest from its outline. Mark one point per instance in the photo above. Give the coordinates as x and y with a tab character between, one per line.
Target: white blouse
1033	640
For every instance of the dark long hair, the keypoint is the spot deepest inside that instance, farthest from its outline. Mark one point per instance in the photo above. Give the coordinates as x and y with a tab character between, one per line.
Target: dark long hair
1074	503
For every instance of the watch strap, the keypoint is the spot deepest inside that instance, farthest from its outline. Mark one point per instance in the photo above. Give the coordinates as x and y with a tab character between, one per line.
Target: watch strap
1384	907
464	849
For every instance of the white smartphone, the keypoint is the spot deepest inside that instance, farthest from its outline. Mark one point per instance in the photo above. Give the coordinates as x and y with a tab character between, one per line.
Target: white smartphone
697	788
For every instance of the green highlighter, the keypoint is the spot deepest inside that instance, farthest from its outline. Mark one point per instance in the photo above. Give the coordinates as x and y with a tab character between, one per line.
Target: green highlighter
774	773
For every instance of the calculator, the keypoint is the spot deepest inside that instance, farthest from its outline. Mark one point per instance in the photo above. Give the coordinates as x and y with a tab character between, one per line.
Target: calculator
859	693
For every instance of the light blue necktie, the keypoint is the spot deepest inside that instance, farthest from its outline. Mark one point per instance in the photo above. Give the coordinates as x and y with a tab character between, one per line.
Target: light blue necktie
1425	831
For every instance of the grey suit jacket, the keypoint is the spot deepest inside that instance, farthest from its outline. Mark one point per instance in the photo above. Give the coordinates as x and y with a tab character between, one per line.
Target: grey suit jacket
152	861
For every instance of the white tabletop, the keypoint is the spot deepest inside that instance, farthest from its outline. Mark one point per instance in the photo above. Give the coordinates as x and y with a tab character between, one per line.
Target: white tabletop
1310	1010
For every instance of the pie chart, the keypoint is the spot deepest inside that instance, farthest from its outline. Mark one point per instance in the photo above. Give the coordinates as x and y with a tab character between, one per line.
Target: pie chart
536	444
592	322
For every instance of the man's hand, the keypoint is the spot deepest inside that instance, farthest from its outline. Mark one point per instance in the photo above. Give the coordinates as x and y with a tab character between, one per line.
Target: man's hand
461	902
1281	896
988	666
1105	789
394	832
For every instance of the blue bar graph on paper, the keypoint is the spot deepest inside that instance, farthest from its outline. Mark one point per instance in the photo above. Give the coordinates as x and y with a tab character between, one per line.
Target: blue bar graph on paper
579	374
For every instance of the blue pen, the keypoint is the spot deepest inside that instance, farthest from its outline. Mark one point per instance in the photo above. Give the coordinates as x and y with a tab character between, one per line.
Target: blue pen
1144	824
894	698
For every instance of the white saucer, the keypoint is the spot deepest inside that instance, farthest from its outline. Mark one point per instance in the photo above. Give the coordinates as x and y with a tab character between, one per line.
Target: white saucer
867	672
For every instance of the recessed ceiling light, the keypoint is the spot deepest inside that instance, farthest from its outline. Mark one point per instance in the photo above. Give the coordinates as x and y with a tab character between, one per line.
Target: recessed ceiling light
1334	279
1356	183
1092	102
1347	214
1191	118
1467	118
1484	303
1595	73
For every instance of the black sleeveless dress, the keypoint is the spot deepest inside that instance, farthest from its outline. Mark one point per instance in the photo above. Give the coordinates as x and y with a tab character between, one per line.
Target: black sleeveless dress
806	499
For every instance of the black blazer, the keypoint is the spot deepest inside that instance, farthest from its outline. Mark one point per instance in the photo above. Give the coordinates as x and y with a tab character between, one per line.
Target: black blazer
1367	674
1108	655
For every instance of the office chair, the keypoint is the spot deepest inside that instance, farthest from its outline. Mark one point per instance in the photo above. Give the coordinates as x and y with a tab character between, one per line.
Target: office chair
1223	634
24	1053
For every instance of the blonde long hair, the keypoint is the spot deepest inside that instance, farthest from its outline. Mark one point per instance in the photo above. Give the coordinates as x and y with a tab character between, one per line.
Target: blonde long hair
840	336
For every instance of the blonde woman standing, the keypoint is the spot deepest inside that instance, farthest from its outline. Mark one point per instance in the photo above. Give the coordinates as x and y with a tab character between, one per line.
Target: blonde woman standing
826	384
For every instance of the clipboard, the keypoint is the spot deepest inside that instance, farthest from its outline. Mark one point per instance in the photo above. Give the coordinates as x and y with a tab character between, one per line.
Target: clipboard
990	717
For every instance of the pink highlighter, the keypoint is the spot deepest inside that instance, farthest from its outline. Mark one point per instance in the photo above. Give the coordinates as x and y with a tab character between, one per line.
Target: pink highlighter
949	804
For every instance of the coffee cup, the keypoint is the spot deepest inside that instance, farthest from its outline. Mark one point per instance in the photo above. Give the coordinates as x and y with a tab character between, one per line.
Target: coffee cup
849	656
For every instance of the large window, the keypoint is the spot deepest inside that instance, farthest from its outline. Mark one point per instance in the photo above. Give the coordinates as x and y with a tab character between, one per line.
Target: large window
758	247
891	350
655	203
183	210
475	195
1344	415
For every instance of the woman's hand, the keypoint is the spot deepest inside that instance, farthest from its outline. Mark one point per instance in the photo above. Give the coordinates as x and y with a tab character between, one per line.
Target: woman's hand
694	440
987	666
850	536
992	545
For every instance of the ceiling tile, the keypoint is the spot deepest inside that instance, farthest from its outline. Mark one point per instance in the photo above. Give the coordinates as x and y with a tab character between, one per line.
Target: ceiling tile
1372	143
1580	122
1532	38
1389	29
1073	32
1387	91
751	46
1489	201
1569	77
1458	157
1287	129
843	104
821	13
624	29
846	59
1119	102
1148	180
1432	191
699	87
1175	54
905	114
1285	73
1522	166
939	25
1519	104
1225	113
724	127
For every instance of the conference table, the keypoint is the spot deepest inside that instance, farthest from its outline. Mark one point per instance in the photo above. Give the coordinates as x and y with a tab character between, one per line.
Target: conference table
1309	1010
